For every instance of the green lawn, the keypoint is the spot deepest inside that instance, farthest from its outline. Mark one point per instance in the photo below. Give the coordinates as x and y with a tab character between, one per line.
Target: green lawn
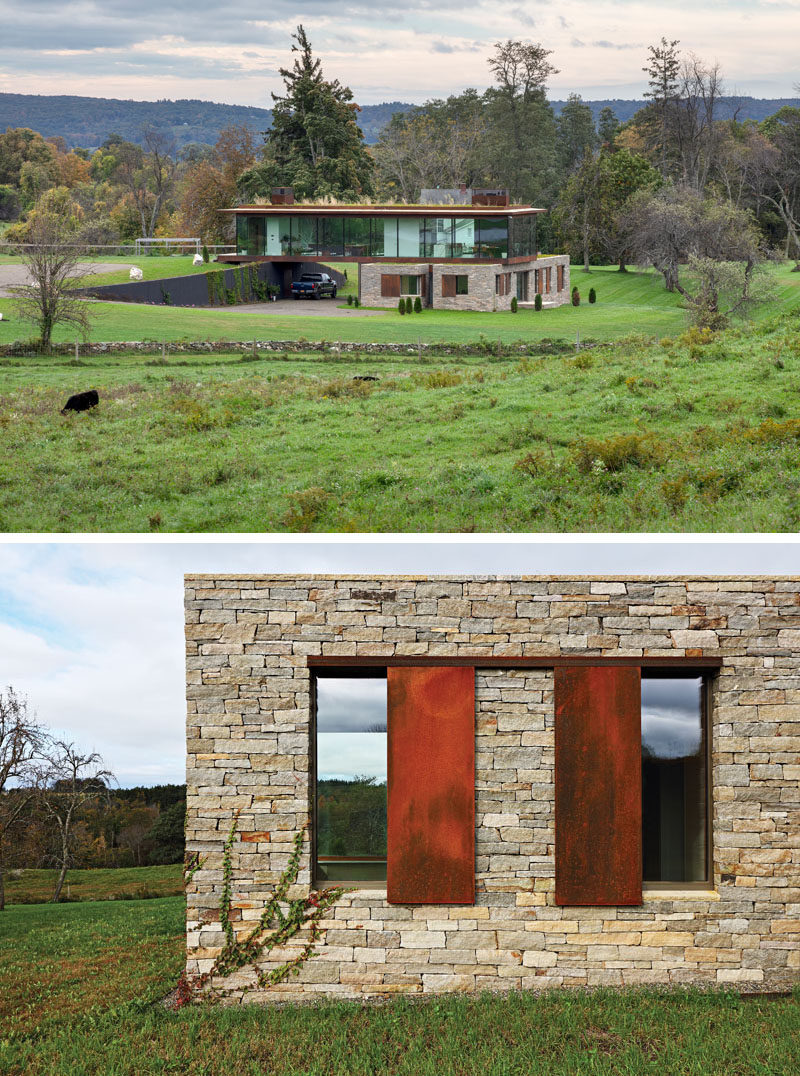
683	434
82	985
121	883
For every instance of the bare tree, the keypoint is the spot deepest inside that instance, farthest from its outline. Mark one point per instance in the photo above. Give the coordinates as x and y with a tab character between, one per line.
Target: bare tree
52	256
21	740
148	175
67	781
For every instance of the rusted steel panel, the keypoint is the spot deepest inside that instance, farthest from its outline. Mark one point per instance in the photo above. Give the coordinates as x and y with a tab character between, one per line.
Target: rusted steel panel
431	793
598	786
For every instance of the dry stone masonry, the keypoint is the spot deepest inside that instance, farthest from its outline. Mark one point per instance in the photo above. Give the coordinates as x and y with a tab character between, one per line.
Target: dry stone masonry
249	698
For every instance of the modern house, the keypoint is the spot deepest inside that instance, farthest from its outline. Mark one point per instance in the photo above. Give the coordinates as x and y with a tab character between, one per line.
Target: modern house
461	249
526	781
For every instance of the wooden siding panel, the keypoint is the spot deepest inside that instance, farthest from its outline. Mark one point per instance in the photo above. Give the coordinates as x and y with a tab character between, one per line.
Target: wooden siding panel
390	285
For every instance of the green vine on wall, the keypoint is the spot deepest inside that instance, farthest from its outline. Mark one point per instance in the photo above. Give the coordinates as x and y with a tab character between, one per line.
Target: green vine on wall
280	921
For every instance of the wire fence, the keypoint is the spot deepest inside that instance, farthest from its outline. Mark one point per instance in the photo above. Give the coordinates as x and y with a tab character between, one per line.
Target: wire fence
124	250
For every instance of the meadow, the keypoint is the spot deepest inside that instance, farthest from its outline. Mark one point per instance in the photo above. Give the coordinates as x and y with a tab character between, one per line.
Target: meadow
625	302
84	984
35	886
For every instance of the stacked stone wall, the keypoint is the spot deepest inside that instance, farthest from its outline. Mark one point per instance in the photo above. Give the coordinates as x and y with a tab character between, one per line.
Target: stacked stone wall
249	699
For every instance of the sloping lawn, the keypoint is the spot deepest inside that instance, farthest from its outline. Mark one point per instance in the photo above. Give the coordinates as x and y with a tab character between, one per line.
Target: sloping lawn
121	883
82	983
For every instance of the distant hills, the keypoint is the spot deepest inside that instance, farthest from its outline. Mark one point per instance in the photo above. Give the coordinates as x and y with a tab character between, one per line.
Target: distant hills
88	121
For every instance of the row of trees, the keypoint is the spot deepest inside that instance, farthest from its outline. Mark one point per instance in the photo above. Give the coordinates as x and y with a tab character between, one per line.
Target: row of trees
58	809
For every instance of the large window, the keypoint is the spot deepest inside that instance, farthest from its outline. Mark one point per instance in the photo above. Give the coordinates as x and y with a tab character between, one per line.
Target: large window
350	779
674	782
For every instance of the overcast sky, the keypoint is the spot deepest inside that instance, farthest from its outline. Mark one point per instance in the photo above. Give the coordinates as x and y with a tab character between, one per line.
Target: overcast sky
152	49
92	633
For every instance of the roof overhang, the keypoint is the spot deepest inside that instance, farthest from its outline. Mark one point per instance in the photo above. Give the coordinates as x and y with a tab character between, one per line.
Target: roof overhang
476	211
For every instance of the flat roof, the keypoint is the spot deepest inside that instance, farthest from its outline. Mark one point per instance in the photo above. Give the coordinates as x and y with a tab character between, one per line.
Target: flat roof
387	210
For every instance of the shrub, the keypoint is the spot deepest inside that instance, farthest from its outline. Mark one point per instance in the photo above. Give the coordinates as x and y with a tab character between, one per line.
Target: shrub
401	306
537	302
409	305
349	300
206	255
595	455
576	297
356	301
592	295
418	305
513	304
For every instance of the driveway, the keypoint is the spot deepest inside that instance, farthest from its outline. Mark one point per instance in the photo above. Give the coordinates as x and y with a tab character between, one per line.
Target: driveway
12	276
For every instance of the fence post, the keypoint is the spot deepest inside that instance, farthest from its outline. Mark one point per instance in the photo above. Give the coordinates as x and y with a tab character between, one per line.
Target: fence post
163	351
76	351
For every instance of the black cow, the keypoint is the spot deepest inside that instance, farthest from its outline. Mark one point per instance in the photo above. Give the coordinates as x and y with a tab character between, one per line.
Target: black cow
81	401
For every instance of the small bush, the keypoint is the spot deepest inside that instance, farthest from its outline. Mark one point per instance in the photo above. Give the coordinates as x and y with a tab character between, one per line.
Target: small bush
409	305
418	305
401	306
595	455
349	300
513	304
206	255
592	295
674	492
537	302
356	301
305	507
441	379
576	297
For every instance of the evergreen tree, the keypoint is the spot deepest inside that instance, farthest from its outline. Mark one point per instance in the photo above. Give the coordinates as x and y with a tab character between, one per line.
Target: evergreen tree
577	137
315	144
607	126
663	68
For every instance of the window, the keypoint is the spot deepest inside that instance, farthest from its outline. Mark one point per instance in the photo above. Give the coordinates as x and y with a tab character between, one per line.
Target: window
410	285
350	779
631	781
454	284
493	237
522	287
674	783
502	284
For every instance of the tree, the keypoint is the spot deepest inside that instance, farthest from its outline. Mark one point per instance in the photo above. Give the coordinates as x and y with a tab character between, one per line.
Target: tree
674	226
52	258
166	835
148	174
663	69
315	144
210	185
607	126
68	781
773	171
21	740
577	137
521	143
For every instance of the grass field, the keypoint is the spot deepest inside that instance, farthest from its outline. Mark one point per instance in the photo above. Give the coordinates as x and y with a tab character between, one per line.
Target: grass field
684	434
121	883
625	302
82	985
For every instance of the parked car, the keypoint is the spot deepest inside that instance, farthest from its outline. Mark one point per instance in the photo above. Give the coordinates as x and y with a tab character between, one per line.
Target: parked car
313	286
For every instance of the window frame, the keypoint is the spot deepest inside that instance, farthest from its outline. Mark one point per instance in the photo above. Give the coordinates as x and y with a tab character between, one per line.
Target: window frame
707	676
347	673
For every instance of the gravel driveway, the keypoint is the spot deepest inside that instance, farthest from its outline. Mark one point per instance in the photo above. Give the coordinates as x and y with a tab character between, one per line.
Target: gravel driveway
11	276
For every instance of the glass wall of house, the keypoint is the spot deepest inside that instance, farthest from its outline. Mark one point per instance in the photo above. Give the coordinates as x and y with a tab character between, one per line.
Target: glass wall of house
384	237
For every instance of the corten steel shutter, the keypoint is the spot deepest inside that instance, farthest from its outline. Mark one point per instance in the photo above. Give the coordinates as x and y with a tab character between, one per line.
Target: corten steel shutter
431	793
448	286
598	785
390	285
560	273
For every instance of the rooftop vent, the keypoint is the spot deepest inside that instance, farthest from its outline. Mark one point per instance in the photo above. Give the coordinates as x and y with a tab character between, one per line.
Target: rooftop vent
282	196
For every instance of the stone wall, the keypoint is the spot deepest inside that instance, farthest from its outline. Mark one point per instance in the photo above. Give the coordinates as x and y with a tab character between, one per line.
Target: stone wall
481	277
248	641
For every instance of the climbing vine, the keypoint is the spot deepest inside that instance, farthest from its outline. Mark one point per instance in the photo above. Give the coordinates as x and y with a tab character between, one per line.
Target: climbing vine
279	922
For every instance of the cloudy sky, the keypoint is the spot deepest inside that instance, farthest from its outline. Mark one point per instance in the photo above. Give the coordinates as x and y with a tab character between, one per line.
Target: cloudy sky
92	632
152	49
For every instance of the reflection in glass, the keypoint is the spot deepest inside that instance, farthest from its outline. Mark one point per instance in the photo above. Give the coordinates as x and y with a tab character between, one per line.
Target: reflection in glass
356	242
304	236
493	237
673	780
464	245
331	237
351	779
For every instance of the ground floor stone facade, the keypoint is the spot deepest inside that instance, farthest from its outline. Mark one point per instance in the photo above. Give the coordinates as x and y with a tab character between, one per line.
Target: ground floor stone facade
250	691
467	286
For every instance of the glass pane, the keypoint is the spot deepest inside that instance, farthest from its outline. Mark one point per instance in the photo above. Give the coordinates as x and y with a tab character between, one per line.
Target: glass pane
493	235
242	234
462	285
409	285
409	237
351	779
673	780
521	237
384	238
356	237
304	236
464	238
436	237
331	237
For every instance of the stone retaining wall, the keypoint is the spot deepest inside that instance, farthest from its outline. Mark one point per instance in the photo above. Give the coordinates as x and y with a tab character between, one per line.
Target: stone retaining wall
248	689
